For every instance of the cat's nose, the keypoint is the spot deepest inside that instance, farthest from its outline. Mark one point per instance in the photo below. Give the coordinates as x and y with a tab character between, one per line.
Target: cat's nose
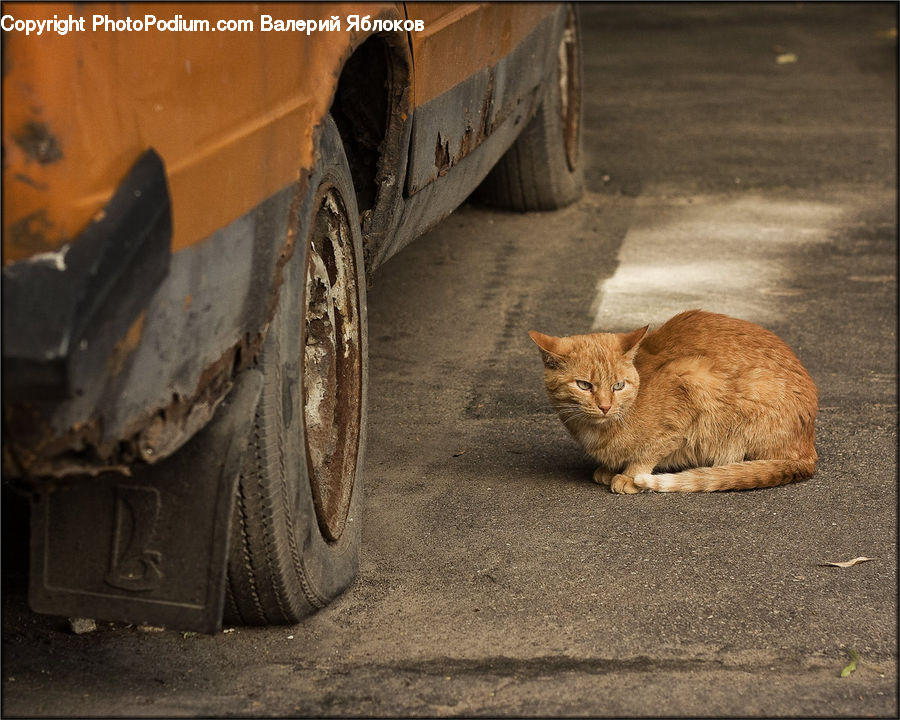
604	408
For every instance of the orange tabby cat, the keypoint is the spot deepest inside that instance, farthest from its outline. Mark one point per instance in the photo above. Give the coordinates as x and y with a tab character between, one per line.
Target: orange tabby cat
706	402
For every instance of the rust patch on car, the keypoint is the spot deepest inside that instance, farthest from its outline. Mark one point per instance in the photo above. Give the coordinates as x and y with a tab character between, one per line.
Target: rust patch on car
162	433
31	182
34	231
36	450
126	346
287	249
169	428
485	127
442	155
468	141
38	143
82	449
472	136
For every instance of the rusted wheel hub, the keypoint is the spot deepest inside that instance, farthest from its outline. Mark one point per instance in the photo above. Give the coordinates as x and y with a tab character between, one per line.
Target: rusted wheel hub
569	91
332	364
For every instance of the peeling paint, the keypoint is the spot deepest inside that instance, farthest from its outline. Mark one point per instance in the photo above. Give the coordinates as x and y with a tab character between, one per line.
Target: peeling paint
465	115
442	155
126	345
82	449
38	448
56	260
287	250
38	143
35	230
472	135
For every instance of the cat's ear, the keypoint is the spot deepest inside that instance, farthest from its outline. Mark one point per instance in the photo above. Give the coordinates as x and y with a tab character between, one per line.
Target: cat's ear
552	348
630	341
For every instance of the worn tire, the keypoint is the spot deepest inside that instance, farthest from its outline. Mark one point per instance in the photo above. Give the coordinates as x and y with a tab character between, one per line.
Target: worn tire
543	169
296	521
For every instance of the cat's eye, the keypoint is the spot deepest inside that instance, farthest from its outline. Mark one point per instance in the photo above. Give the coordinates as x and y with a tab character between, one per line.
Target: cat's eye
584	385
619	385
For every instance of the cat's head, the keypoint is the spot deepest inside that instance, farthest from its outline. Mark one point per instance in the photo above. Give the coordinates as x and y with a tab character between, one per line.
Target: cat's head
590	378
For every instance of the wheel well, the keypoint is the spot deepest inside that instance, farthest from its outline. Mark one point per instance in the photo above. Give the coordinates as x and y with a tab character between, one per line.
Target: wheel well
371	109
369	100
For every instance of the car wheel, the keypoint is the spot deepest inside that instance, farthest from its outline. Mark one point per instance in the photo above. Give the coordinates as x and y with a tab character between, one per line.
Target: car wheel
543	168
296	522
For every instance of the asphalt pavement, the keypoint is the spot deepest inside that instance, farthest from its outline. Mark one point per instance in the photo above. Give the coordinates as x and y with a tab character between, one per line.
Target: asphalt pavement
741	158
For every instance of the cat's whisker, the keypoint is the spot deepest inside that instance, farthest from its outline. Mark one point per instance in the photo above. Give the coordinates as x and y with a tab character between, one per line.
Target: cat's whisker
571	410
570	414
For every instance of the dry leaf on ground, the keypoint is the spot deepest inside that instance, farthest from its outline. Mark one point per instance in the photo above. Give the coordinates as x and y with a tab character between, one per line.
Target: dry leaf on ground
848	563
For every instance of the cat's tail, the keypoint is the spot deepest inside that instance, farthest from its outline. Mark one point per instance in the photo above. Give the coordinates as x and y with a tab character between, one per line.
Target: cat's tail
734	476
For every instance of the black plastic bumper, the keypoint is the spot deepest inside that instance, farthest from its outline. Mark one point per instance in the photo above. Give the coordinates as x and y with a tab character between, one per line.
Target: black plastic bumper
64	312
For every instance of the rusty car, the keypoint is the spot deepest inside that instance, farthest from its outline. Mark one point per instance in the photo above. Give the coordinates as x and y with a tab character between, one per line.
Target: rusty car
194	198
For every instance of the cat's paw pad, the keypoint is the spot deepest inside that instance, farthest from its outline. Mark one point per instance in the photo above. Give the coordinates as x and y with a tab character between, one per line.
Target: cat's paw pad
623	485
602	476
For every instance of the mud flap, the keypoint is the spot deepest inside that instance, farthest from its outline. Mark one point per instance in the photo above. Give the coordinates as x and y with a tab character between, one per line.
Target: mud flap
150	548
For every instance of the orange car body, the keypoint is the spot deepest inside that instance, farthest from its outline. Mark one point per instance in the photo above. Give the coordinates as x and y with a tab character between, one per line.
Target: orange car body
134	362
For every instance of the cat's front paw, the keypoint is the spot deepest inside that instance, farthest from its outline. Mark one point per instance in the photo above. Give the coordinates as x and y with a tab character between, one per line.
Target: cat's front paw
602	476
623	485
